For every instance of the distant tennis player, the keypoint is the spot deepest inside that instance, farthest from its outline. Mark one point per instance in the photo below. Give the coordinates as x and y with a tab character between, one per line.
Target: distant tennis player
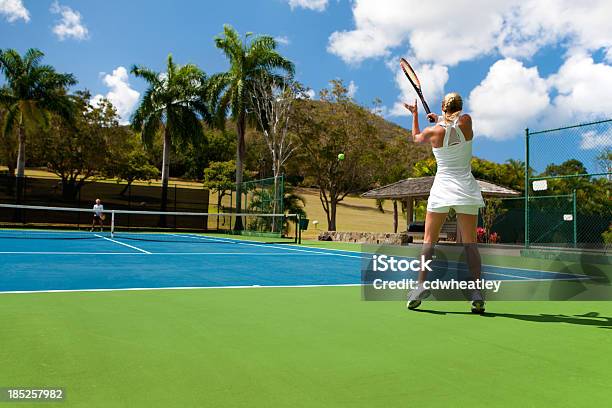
454	187
98	217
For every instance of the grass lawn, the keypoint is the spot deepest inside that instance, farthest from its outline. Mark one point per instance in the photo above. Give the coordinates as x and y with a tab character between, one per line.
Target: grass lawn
303	347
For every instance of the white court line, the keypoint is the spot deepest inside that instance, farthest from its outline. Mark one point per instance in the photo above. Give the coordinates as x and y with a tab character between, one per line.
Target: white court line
124	244
321	251
212	239
525	269
307	253
330	251
318	251
178	288
70	253
216	287
155	253
29	232
577	278
276	247
233	241
233	253
507	275
541	271
494	266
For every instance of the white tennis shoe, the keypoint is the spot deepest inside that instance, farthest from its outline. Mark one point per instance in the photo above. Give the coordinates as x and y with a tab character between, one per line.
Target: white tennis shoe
478	303
416	296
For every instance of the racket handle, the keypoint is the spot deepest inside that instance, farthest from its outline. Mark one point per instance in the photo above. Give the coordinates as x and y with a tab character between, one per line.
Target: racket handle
427	110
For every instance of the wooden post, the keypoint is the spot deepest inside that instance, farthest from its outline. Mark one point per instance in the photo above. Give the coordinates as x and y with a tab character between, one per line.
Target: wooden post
395	216
409	211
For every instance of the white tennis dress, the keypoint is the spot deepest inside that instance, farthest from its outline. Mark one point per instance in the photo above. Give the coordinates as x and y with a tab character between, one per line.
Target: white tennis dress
454	184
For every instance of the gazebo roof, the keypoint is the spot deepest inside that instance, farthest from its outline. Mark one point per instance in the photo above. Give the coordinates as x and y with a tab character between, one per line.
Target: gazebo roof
419	187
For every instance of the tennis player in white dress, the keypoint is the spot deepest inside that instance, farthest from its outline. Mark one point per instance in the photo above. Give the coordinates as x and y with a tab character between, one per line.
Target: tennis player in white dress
454	187
98	215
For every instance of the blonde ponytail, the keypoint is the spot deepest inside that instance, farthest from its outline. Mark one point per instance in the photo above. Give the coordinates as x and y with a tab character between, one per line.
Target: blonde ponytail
451	106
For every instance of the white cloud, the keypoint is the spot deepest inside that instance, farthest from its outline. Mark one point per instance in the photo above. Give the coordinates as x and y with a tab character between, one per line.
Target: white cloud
513	95
381	25
308	93
355	46
311	94
121	95
381	111
576	24
594	140
584	89
14	10
433	78
509	97
282	40
70	24
316	5
352	89
455	32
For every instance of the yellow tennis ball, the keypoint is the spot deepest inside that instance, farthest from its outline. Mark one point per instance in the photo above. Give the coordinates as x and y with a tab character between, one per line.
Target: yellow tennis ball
341	156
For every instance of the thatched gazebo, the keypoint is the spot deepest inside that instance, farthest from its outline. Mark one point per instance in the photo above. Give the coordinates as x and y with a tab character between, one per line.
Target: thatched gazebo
411	189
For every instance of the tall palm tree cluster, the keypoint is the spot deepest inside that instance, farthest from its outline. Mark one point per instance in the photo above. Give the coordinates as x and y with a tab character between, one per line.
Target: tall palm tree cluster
32	92
177	102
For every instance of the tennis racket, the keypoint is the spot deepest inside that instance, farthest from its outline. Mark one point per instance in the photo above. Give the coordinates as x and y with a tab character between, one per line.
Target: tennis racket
414	80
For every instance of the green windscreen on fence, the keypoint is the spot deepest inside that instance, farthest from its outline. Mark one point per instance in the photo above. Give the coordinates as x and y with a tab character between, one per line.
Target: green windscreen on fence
47	191
568	180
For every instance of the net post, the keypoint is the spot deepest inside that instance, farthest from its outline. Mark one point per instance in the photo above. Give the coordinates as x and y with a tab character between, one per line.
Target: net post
526	188
574	217
112	227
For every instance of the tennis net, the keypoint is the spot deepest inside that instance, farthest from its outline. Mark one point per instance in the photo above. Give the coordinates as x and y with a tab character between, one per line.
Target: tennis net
26	221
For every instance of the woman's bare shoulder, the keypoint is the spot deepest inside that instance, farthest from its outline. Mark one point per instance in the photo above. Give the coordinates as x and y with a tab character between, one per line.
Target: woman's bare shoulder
465	124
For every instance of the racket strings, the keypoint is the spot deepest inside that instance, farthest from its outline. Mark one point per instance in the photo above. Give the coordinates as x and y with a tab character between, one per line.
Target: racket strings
408	71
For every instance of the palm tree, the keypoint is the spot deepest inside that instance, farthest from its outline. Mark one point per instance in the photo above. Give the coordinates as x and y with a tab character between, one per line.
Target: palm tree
173	102
516	174
233	90
294	203
8	140
32	91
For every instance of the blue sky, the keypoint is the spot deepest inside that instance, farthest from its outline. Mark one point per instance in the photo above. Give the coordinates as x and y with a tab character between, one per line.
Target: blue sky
518	64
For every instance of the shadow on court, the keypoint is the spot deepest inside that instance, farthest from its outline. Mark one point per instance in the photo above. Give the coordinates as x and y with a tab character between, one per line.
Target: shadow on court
587	319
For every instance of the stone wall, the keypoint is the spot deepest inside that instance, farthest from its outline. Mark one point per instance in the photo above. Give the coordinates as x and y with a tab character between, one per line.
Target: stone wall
366	237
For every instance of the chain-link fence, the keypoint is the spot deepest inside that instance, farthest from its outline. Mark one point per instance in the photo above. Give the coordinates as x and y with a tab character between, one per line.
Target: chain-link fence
552	221
568	182
265	196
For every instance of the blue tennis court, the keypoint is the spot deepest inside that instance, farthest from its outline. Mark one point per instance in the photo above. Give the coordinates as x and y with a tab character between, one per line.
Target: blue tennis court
68	260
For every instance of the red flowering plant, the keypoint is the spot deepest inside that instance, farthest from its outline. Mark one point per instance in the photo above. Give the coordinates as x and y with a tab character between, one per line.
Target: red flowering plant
484	237
481	235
